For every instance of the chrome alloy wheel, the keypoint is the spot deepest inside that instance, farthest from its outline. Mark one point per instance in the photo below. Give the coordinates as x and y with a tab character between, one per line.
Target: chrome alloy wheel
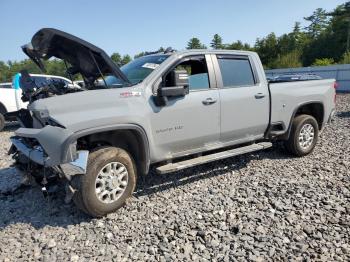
306	136
111	182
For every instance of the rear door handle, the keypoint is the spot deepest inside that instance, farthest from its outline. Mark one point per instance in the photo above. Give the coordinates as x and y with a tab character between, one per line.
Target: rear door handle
209	101
259	95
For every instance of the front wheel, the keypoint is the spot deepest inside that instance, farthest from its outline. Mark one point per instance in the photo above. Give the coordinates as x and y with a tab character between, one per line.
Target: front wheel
303	136
110	180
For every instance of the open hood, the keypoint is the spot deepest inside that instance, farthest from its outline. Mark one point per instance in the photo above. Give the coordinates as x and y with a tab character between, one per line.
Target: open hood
85	58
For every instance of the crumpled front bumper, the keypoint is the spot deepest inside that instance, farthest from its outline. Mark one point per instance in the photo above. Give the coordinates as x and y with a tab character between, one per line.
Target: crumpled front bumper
52	149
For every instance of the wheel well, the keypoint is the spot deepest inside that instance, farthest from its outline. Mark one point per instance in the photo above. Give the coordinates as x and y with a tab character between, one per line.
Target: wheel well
129	140
2	109
314	109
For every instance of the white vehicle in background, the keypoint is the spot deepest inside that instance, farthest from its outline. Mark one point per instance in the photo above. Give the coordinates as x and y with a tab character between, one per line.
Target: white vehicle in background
79	83
7	97
11	93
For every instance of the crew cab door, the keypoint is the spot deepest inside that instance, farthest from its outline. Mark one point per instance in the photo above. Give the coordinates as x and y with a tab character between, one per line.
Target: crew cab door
244	99
188	124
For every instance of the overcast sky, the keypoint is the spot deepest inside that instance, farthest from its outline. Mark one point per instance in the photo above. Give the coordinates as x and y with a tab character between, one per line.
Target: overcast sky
132	26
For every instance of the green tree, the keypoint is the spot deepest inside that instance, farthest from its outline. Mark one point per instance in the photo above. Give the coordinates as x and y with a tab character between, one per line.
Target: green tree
160	50
56	67
3	71
267	49
126	59
296	31
52	66
285	44
299	39
326	40
318	22
117	58
216	43
138	55
346	58
323	62
333	41
238	45
195	43
288	60
341	15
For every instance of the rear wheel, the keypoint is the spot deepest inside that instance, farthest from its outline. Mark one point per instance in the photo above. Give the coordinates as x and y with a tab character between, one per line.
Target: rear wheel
109	182
303	136
2	122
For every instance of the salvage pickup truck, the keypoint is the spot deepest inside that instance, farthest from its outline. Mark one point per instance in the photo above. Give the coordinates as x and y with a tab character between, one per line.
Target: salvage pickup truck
170	110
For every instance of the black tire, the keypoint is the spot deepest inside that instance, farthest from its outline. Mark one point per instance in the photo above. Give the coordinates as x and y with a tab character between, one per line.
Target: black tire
2	122
292	144
77	197
86	197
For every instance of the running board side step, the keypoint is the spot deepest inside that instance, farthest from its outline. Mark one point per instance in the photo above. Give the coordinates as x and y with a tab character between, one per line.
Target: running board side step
172	167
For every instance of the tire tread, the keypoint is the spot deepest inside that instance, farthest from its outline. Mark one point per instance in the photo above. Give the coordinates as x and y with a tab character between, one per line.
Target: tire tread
291	144
84	194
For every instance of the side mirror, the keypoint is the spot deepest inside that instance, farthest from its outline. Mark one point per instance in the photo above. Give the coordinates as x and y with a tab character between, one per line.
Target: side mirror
176	85
173	91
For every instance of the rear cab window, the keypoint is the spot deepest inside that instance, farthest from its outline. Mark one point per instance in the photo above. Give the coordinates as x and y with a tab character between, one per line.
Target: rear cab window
39	80
236	71
61	80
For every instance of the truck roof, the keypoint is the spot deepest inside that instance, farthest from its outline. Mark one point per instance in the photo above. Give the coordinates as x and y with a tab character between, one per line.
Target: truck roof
204	51
213	51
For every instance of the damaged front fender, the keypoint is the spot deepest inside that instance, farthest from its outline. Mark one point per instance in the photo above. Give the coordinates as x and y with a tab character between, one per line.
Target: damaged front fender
51	147
45	146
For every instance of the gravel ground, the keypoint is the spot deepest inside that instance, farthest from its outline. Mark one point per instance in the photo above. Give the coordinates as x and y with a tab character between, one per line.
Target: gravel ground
261	206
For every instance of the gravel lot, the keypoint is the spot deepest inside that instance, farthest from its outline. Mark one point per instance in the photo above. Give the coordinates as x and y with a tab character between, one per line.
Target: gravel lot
262	206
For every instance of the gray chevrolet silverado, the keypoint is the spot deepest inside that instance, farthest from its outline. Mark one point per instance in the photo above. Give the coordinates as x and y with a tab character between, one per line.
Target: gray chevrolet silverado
170	110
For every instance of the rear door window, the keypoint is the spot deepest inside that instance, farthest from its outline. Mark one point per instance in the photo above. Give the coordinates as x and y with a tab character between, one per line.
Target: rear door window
236	71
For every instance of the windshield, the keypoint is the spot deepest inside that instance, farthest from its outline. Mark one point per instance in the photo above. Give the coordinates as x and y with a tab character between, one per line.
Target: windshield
137	70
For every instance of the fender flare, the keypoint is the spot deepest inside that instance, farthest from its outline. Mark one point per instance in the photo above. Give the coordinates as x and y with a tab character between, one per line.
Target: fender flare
287	134
71	140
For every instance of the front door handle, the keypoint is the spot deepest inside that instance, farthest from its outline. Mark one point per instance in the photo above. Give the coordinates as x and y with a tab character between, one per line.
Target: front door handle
209	101
259	95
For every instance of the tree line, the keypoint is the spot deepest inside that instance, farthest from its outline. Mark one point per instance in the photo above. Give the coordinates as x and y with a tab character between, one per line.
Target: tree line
324	41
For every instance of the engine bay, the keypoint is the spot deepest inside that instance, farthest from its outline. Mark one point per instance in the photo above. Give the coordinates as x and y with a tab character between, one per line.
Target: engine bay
52	87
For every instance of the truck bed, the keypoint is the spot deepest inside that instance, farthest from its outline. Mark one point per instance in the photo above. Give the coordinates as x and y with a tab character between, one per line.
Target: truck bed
287	96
